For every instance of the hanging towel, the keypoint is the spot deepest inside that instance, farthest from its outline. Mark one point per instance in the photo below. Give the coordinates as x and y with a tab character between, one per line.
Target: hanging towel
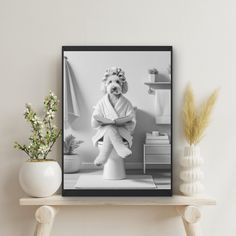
163	106
71	105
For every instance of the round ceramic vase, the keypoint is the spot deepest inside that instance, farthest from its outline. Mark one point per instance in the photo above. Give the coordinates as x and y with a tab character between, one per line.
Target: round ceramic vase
72	163
40	178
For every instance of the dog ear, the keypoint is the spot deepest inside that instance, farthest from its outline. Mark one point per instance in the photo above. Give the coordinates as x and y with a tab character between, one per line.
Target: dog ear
124	86
103	85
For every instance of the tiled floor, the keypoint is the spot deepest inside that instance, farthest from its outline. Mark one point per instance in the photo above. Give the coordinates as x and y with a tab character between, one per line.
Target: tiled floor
162	178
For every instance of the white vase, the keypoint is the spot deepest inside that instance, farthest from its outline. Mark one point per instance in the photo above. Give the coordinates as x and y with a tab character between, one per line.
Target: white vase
72	163
191	173
152	78
40	178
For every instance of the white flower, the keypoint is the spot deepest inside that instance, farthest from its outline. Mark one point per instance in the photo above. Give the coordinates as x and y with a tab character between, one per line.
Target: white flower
43	149
50	114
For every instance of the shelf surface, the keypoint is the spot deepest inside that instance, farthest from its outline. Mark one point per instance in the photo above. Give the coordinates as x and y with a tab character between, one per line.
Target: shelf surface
175	200
156	144
159	85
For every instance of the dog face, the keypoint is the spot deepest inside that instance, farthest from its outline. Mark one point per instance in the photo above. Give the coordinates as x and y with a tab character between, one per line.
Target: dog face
114	81
113	85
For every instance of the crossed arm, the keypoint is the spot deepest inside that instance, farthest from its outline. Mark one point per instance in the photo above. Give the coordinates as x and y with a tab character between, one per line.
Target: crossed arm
98	120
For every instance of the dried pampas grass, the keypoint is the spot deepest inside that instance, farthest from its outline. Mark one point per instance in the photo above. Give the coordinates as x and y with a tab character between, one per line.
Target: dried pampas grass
196	120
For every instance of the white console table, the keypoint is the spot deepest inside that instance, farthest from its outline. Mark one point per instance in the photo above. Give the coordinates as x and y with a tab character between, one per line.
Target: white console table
187	208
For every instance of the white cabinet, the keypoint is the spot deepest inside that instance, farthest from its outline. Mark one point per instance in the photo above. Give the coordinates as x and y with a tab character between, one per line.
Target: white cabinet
156	154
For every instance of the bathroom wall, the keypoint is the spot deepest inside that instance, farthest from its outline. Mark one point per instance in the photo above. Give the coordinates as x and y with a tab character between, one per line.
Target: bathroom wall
203	35
89	69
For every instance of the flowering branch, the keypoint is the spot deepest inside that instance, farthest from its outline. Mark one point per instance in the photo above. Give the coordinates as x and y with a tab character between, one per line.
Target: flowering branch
44	133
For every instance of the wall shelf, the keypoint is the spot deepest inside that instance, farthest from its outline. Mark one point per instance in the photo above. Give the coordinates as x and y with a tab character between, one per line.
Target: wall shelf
187	207
158	85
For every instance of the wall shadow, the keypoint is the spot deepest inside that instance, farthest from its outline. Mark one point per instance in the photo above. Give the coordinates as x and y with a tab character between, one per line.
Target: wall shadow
145	123
163	78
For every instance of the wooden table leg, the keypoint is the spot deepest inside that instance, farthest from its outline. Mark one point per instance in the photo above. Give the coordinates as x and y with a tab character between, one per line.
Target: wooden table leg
191	216
44	216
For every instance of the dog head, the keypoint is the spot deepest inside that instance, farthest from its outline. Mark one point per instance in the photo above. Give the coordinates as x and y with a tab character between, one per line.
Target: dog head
114	81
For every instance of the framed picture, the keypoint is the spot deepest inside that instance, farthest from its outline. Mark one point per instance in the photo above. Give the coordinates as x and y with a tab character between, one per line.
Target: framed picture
117	120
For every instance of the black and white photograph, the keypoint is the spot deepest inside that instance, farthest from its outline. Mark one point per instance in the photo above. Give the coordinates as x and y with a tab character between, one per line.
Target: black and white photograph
117	120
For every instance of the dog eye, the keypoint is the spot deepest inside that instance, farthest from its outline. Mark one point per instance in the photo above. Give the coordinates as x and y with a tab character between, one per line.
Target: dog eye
117	81
109	82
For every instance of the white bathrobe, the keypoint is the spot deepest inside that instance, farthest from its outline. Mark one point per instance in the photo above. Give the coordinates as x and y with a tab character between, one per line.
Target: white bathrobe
122	108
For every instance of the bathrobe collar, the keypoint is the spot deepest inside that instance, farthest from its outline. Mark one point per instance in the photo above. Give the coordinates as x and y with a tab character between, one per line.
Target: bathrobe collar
114	111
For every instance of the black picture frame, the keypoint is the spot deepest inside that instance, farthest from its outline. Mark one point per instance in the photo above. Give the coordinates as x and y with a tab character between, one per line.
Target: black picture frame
118	192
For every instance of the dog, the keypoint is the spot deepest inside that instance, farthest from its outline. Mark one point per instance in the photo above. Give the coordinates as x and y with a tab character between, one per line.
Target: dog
113	117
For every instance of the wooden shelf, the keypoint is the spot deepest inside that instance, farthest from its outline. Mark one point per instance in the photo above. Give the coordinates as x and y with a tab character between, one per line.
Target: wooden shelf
187	207
158	85
175	200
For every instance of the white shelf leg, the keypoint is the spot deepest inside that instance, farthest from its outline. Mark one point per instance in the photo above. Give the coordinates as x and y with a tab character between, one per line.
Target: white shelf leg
191	216
44	216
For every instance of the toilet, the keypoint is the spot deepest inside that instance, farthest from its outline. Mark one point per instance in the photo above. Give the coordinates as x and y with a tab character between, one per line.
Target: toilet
114	168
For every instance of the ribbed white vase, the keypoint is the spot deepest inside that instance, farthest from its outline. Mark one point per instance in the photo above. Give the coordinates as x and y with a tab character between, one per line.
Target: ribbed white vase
191	173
